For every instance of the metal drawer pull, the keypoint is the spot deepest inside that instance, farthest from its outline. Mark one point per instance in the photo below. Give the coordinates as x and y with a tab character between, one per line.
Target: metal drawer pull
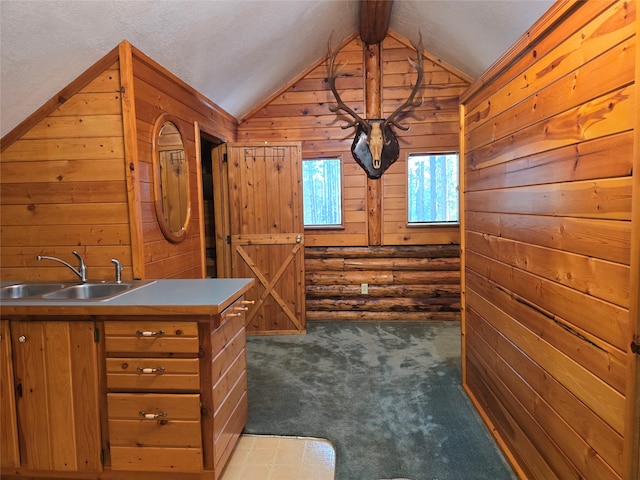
152	416
151	370
149	334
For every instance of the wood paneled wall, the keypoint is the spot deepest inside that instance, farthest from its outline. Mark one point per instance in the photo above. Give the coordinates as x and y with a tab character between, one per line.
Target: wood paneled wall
61	173
339	260
548	139
77	175
157	92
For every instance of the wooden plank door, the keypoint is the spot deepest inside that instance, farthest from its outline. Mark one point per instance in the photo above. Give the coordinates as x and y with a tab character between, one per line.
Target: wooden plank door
267	241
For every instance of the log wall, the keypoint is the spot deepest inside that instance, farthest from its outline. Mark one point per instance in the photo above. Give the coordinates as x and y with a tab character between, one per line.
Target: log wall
375	244
548	138
77	175
404	283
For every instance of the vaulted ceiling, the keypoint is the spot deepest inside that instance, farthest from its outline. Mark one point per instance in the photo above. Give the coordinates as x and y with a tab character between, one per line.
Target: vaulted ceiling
234	52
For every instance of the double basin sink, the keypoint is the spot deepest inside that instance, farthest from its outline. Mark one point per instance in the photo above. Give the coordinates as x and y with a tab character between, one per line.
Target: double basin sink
68	291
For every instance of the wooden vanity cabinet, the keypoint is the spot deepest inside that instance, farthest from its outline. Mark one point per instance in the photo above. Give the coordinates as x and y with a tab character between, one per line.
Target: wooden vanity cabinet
176	391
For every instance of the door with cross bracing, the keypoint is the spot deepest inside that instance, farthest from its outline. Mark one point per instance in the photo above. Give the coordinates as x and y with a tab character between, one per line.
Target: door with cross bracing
267	238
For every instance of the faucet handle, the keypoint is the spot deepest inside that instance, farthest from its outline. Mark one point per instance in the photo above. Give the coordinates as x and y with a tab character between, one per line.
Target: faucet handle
82	267
119	268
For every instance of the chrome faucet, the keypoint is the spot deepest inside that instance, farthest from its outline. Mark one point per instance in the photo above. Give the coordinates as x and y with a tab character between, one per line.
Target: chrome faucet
81	271
118	265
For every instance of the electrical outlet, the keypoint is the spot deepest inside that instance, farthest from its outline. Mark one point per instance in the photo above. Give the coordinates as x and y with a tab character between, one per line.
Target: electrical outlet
364	288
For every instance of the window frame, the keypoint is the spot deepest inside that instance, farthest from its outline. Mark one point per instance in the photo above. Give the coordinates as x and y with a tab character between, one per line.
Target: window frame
337	226
434	224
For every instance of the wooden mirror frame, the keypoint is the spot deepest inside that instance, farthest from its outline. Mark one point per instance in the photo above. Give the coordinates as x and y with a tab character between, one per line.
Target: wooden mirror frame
177	235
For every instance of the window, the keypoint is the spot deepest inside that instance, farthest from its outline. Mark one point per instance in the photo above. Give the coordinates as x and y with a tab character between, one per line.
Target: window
433	188
322	192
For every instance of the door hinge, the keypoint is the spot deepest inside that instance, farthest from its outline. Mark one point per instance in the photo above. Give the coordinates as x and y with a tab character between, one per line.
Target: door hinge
225	158
635	348
19	390
96	335
228	239
103	456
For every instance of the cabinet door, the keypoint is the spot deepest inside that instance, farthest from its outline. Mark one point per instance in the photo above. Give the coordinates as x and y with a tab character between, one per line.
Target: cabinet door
56	369
9	455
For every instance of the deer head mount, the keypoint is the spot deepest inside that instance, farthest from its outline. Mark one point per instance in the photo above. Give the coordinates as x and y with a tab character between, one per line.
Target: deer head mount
375	146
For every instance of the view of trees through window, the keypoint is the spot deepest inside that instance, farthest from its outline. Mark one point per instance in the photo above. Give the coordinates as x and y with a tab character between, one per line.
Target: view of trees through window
322	192
432	188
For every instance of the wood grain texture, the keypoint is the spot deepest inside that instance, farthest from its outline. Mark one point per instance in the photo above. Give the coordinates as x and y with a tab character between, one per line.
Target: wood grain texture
405	283
78	173
547	263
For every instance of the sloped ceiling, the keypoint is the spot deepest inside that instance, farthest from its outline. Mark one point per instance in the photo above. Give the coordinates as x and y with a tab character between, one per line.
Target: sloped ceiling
235	52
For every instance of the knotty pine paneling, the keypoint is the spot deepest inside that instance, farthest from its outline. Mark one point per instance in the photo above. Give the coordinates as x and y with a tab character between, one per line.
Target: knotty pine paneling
59	178
77	175
547	267
301	113
406	284
158	92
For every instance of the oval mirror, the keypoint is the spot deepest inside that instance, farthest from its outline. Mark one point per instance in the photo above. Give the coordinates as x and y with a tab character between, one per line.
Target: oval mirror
171	181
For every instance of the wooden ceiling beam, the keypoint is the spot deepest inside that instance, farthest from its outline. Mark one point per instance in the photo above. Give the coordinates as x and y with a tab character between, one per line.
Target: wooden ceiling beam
374	20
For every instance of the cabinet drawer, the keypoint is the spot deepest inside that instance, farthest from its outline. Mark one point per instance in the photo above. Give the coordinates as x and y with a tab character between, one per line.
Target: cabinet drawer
156	459
155	432
164	374
128	406
151	337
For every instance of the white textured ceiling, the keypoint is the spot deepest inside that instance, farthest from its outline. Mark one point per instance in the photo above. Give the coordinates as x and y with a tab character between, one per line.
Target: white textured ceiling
234	52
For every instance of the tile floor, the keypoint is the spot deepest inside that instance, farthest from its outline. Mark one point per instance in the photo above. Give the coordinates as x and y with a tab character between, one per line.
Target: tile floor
264	457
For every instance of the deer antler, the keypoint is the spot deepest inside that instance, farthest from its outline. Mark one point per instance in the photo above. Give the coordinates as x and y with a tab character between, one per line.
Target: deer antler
357	120
391	119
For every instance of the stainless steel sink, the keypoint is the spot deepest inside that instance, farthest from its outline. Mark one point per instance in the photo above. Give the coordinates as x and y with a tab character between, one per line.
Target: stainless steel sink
24	290
88	291
97	290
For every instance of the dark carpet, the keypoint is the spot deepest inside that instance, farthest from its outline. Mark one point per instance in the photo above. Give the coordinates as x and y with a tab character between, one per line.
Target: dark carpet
386	394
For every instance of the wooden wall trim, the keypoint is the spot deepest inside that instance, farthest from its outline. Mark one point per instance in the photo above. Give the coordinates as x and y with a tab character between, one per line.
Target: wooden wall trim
462	218
58	99
631	459
373	109
131	158
203	240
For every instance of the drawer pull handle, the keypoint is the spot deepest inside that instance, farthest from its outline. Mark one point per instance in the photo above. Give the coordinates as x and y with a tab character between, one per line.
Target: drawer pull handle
151	370
247	302
241	309
233	315
152	416
140	333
